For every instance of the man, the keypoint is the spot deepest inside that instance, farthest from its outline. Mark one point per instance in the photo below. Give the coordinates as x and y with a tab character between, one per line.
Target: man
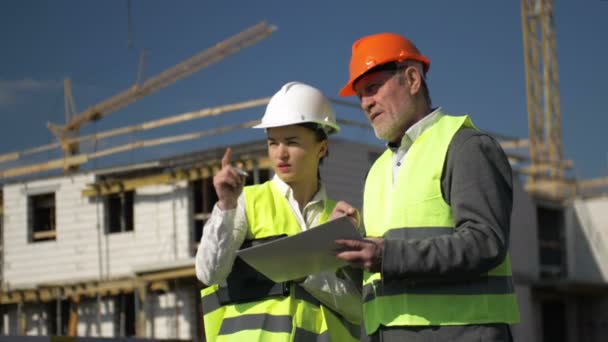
436	209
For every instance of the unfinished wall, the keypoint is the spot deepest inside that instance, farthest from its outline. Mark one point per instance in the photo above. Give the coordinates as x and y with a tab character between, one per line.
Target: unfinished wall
81	250
344	171
524	237
10	320
172	315
587	236
73	253
160	234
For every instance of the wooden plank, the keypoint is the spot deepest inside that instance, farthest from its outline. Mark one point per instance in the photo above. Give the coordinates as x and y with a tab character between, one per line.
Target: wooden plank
187	272
82	158
141	312
206	112
53	164
593	183
511	144
73	319
541	168
9	156
44	235
190	174
30	296
45	295
132	184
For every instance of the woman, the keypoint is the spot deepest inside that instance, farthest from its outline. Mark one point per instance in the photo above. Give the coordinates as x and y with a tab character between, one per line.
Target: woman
241	304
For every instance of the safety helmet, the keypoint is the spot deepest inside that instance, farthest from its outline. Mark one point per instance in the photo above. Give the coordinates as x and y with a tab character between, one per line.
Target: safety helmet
297	103
377	49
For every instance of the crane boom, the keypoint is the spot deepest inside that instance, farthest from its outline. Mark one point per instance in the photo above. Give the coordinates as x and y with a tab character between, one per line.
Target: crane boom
169	76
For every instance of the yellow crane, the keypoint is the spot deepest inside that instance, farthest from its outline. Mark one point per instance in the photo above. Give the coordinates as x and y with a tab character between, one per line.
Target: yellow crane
546	171
219	51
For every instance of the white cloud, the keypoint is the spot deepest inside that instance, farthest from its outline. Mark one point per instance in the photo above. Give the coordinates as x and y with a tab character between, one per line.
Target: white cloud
11	91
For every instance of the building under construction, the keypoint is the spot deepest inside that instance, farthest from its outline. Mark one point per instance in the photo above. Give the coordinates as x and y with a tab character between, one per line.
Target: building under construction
110	252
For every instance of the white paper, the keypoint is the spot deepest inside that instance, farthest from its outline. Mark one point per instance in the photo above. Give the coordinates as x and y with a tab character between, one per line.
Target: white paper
299	255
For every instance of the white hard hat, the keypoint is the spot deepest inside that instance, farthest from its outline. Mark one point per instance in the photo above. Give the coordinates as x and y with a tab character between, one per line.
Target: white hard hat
298	103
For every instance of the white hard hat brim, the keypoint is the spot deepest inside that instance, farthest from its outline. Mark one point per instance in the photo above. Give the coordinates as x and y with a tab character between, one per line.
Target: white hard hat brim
328	127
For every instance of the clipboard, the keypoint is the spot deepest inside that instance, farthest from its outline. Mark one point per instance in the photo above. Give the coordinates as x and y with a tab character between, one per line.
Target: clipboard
300	255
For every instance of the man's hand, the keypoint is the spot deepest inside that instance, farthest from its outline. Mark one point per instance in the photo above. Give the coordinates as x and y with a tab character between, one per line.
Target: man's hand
344	209
365	254
228	184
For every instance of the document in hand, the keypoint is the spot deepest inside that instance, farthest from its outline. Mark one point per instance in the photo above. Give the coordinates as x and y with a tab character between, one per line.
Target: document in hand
299	255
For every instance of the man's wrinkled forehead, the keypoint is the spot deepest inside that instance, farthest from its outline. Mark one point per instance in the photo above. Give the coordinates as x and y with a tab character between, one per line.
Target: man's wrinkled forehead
390	69
379	75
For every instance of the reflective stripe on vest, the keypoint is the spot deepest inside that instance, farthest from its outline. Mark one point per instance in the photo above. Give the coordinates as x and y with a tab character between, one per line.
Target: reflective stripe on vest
414	208
297	317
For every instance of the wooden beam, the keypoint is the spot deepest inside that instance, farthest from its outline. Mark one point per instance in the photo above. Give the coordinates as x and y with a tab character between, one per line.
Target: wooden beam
83	158
51	165
541	168
46	234
50	292
593	183
510	144
161	285
189	174
30	296
141	293
186	272
11	156
132	184
73	320
45	295
551	189
21	320
205	112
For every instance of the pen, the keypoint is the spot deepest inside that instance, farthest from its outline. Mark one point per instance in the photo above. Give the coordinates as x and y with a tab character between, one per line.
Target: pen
241	172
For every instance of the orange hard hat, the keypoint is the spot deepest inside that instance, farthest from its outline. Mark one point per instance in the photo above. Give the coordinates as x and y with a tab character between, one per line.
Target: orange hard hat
377	49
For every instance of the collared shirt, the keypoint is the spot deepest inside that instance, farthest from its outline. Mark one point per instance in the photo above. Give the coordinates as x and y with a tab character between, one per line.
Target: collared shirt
309	216
226	230
413	133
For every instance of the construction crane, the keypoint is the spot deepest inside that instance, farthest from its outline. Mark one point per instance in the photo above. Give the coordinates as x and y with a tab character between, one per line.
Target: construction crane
546	171
219	51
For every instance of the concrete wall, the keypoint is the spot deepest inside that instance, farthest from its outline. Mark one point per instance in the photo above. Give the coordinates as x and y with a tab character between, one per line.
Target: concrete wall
170	315
344	171
161	231
524	237
82	250
587	240
173	314
74	252
524	262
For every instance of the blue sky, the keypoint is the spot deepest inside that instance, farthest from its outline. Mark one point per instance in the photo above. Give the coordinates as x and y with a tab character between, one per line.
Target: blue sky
475	48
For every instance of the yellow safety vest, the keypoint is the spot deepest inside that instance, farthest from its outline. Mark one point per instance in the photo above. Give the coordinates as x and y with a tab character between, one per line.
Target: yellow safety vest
295	317
414	209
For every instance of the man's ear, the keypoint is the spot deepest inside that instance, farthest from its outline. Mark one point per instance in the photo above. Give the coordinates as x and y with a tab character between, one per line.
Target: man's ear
414	79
